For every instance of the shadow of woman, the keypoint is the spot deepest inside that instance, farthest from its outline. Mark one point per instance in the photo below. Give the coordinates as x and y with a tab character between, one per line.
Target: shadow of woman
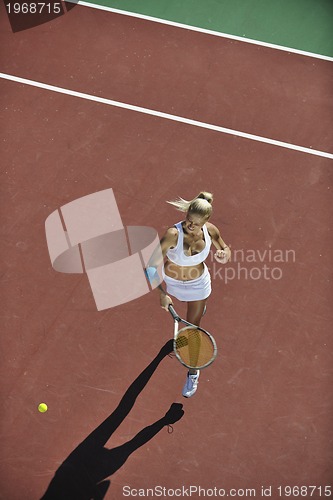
82	475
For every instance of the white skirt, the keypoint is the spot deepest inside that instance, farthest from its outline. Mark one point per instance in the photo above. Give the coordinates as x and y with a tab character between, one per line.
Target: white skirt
190	290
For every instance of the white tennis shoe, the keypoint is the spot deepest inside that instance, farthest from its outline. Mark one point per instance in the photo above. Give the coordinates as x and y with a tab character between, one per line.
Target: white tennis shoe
191	384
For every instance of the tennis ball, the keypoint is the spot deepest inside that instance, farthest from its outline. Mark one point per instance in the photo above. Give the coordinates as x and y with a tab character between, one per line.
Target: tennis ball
42	407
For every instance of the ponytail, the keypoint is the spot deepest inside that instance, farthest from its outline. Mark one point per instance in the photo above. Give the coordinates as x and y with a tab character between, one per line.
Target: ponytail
200	205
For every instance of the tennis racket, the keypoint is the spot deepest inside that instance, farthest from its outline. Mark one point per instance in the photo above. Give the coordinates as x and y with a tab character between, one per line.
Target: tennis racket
194	347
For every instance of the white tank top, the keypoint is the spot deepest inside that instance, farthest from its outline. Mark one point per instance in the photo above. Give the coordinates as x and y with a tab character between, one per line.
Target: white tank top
177	255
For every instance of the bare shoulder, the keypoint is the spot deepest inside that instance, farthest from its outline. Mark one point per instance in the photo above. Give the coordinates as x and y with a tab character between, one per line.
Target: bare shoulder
171	232
213	230
170	236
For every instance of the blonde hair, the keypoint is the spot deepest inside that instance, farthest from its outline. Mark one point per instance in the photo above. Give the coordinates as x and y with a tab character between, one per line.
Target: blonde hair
200	205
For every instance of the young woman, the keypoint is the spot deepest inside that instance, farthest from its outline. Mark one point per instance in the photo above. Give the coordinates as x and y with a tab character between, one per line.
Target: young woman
185	247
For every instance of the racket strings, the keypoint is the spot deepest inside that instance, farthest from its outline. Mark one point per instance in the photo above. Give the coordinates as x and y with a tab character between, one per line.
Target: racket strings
194	347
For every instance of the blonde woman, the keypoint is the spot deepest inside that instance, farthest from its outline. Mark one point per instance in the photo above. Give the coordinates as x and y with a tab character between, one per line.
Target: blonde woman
185	247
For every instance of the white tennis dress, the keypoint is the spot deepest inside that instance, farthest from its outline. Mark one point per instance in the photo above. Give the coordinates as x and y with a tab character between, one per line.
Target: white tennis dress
189	290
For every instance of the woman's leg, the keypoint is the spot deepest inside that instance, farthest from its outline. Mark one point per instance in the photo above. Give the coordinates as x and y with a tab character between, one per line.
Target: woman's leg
195	310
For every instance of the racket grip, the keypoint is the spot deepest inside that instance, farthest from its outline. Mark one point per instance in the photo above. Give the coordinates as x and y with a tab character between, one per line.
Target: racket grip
173	312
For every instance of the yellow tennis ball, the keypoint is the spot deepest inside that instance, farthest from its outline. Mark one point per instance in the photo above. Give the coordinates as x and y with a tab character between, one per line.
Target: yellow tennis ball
42	407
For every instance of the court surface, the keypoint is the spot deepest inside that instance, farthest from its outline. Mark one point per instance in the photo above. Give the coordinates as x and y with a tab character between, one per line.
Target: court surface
156	111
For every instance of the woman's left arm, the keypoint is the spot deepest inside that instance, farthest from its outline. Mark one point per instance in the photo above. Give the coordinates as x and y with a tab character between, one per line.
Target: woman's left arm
223	252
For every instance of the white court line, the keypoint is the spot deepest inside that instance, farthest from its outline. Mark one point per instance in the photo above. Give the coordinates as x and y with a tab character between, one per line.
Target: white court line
167	116
202	30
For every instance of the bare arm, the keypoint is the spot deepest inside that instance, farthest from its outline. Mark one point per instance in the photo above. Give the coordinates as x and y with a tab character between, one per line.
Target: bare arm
223	252
168	240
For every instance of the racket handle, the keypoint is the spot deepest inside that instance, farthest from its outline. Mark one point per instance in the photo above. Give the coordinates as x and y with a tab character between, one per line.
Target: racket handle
173	313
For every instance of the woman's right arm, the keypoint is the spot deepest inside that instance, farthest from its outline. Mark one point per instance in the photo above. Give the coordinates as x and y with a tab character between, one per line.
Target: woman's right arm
168	240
